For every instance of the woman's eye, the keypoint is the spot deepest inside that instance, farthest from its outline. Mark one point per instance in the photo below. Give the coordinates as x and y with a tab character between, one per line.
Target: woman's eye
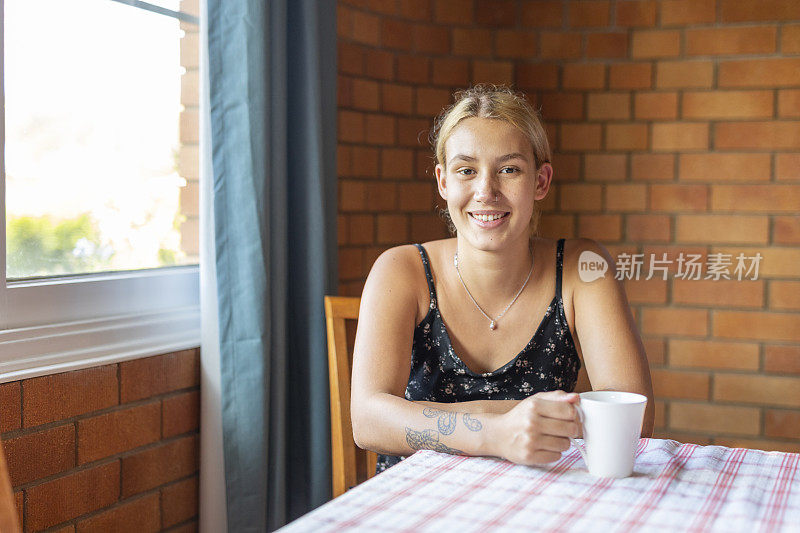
509	170
465	171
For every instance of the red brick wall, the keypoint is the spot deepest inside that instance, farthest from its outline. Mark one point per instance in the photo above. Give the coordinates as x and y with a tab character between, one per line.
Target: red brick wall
676	127
110	448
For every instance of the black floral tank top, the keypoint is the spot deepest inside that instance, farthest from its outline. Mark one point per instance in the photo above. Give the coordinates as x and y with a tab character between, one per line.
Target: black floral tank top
548	362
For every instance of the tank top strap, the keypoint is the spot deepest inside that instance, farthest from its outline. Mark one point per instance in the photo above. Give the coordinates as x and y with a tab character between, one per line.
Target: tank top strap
559	266
428	275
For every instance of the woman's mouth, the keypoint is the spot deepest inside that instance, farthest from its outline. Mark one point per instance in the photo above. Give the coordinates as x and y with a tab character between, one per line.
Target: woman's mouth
489	219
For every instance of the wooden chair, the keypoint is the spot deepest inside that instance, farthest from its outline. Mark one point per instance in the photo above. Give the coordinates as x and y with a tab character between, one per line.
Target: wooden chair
351	464
9	519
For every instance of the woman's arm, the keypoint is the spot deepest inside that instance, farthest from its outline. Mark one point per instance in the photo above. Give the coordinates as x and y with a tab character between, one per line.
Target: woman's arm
606	332
530	431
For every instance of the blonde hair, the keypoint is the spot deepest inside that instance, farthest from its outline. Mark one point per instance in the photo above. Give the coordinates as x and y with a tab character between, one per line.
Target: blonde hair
497	102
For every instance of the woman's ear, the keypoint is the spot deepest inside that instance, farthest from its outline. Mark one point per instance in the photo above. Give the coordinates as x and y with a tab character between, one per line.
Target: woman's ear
544	176
441	180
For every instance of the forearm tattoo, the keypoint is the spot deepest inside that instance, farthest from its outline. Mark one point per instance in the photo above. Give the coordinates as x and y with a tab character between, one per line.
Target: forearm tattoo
473	424
446	420
428	440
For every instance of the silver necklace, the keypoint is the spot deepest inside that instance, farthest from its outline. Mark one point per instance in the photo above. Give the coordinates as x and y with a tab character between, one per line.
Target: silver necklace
492	321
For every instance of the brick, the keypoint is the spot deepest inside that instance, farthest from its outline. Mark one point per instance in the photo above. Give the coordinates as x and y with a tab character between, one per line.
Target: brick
189	162
776	262
644	291
139	515
59	396
67	497
692	438
412	132
758	444
353	195
656	105
366	28
716	293
757	325
770	136
472	42
584	76
392	229
673	254
784	295
181	414
680	384
763	390
341	230
10	406
190	199
382	196
591	13
379	64
606	167
426	228
674	321
626	137
424	162
365	95
648	228
714	418
786	230
680	136
626	197
729	229
431	101
453	12
636	13
655	43
150	376
684	74
713	354
537	75
790	39
603	228
118	431
558	45
450	72
727	104
497	72
19	503
350	58
609	106
162	464
782	359
724	167
350	260
678	198
431	39
580	137
380	129
773	72
630	76
652	167
557	226
736	11
607	45
562	106
395	33
413	69
542	14
365	161
415	9
179	502
567	167
360	229
787	166
351	126
397	163
580	197
41	454
515	44
769	199
789	103
731	41
417	197
660	414
683	12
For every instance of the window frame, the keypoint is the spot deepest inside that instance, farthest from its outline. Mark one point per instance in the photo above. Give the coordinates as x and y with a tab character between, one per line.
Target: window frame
65	323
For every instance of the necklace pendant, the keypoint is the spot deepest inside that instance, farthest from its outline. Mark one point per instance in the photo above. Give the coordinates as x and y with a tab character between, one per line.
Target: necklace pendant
492	325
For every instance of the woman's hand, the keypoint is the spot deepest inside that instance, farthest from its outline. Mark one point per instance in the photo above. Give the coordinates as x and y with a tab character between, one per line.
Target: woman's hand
538	429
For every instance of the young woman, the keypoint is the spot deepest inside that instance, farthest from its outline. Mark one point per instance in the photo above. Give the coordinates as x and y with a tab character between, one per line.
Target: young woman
472	345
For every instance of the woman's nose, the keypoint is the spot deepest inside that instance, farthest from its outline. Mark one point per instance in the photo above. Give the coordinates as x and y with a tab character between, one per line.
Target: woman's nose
485	187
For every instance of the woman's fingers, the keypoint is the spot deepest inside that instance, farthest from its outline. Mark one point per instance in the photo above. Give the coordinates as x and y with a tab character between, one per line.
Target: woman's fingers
557	427
555	404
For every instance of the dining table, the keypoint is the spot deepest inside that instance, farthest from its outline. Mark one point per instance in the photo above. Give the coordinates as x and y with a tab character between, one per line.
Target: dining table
674	487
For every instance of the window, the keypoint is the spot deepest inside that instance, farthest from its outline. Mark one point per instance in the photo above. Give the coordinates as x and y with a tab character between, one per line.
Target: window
99	184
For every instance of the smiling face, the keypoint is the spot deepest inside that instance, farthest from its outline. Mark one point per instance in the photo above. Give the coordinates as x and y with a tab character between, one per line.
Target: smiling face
490	182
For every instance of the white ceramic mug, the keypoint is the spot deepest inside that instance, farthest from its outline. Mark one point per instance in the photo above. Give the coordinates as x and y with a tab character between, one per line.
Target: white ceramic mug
612	424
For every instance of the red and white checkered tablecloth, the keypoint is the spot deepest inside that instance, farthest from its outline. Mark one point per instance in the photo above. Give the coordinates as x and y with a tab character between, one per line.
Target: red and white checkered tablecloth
675	487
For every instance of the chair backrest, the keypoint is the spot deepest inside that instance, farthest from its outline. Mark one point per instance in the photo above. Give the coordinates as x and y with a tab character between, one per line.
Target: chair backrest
351	464
9	519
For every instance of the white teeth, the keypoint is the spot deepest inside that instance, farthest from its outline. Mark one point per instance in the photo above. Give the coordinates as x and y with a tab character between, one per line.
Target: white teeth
487	218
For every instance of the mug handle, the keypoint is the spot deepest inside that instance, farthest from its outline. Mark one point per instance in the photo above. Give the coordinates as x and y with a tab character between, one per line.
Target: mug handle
575	443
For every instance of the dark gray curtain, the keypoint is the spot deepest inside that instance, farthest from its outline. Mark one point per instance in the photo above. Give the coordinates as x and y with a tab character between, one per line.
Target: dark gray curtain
272	73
